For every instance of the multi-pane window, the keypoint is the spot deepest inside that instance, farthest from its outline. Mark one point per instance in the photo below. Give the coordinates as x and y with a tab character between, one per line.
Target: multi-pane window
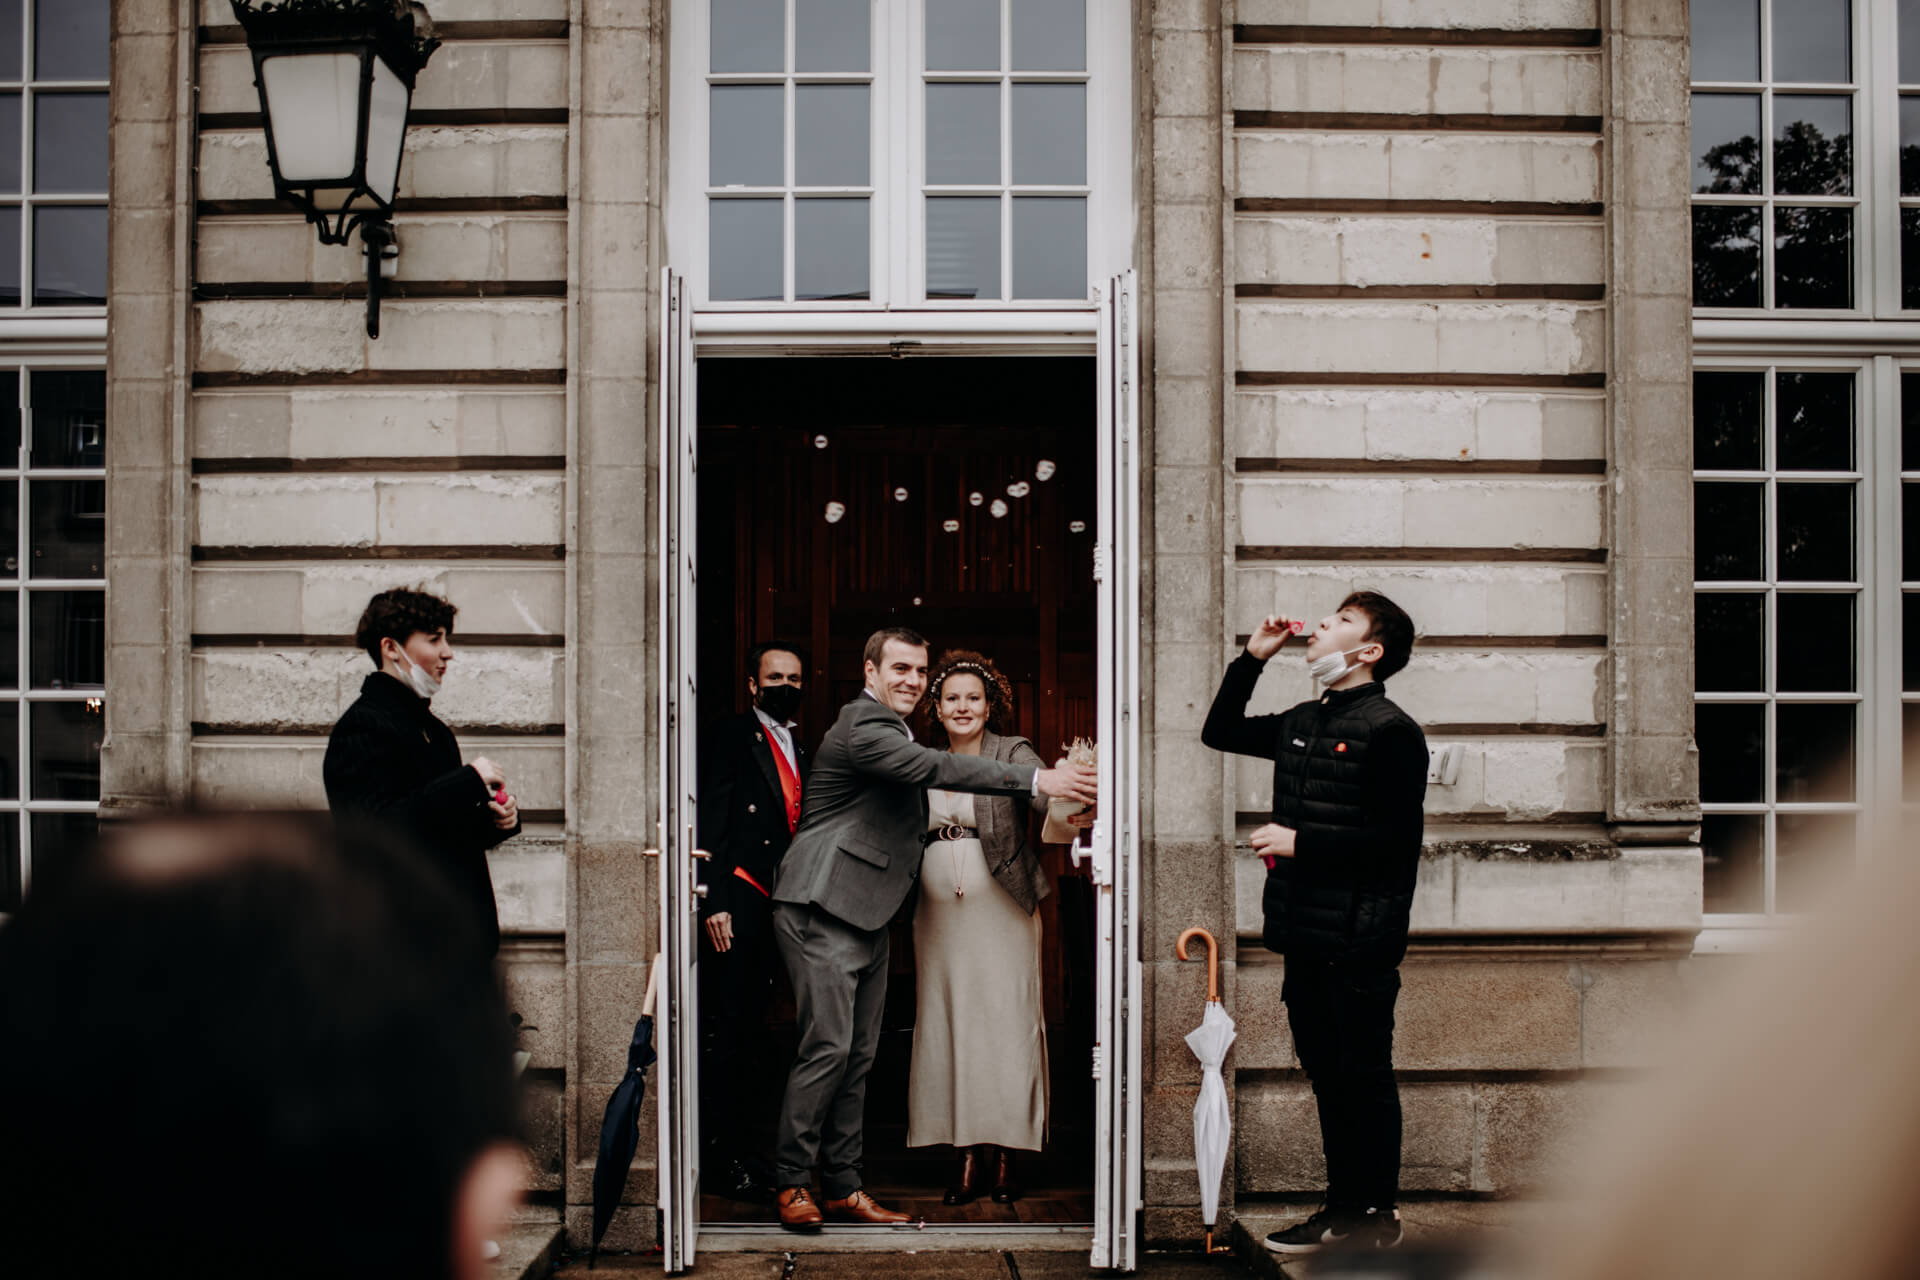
1776	212
52	613
53	153
896	152
1909	571
1778	613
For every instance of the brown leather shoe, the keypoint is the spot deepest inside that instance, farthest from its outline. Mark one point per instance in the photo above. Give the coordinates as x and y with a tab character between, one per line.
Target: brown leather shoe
970	1179
798	1212
861	1207
1005	1189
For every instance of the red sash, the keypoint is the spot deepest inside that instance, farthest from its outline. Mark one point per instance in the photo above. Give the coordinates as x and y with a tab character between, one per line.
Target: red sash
789	784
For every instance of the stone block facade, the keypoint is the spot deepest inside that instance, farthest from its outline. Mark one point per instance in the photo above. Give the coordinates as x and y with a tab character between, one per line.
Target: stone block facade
1408	304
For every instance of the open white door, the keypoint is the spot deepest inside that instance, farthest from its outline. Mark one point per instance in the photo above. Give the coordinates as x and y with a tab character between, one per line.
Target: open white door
677	1080
1116	834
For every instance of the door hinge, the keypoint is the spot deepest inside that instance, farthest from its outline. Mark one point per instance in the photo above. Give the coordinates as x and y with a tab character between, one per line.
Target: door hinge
1099	562
1099	1063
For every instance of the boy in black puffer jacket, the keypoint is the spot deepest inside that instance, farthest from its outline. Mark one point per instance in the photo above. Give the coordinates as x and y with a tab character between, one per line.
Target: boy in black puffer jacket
1342	851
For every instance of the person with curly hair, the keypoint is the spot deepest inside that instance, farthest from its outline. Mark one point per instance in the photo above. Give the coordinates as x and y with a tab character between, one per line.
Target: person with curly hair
390	759
979	1074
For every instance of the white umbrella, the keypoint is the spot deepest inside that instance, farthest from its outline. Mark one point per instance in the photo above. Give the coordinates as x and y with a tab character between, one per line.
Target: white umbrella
1212	1122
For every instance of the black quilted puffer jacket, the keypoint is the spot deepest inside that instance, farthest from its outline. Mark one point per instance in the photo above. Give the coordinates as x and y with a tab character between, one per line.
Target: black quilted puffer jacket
1349	776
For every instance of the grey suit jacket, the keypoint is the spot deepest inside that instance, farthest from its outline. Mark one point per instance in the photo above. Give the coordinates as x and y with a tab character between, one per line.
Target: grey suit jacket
857	851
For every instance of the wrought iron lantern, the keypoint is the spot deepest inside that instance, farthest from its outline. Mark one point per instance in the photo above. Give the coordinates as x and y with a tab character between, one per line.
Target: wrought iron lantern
335	79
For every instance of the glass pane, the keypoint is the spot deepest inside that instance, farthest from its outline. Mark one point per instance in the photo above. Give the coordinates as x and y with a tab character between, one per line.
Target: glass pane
1050	35
9	529
9	640
1726	143
10	883
70	143
1050	134
1910	752
70	256
58	836
963	35
69	39
1815	644
830	249
745	255
963	247
1812	145
1813	42
10	417
746	136
65	740
1732	847
69	527
1727	422
69	417
68	647
1729	532
1910	533
1813	424
10	175
10	257
1910	642
963	134
1910	259
1910	420
1730	643
830	135
1812	257
1811	851
748	35
1726	256
12	55
1049	247
1815	532
1813	752
1726	39
831	35
1733	753
1910	146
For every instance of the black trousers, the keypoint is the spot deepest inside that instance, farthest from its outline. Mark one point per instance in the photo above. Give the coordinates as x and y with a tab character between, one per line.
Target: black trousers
1342	1023
738	1089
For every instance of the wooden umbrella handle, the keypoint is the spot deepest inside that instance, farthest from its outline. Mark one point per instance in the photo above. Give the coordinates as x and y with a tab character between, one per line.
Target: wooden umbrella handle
1213	958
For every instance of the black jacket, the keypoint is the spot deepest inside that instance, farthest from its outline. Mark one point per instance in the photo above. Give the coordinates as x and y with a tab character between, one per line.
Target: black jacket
743	815
1349	776
390	758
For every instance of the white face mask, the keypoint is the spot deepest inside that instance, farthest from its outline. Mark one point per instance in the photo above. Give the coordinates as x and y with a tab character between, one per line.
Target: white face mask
1331	667
423	684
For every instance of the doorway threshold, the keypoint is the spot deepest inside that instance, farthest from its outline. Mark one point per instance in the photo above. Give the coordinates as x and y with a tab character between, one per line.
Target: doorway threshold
761	1238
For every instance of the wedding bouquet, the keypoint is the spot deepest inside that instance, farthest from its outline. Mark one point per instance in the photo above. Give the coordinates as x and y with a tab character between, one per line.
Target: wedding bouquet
1057	830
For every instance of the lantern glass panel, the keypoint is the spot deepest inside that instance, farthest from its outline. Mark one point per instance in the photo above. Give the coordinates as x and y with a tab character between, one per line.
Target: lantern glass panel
386	131
313	108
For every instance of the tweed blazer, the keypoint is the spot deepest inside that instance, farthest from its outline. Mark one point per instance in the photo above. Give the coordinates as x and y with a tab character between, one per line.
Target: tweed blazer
1006	834
856	854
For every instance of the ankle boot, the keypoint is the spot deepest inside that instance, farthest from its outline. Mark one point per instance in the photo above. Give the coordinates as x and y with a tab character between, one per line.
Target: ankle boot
967	1179
1005	1190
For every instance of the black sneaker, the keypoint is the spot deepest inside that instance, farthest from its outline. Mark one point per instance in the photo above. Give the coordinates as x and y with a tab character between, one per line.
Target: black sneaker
1373	1229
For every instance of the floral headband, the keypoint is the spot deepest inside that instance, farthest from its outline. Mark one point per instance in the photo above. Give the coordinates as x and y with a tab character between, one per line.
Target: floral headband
990	679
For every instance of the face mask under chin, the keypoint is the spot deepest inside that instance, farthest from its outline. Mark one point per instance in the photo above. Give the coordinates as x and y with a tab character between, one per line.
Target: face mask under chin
1330	667
423	684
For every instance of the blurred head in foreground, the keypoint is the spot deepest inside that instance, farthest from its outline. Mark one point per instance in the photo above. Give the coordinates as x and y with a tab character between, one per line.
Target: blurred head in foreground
247	1045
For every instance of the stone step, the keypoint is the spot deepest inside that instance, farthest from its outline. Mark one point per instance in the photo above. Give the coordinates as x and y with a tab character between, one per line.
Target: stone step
529	1250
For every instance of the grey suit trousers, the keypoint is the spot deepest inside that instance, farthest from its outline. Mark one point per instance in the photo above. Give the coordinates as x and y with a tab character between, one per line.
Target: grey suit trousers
839	976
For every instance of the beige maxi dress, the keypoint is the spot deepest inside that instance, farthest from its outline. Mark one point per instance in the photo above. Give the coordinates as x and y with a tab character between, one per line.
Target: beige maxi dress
980	1036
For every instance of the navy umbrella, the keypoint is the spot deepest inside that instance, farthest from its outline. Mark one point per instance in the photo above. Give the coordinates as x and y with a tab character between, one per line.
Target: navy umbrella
620	1127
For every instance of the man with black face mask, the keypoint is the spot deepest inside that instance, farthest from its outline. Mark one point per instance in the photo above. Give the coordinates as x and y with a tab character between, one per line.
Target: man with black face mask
751	775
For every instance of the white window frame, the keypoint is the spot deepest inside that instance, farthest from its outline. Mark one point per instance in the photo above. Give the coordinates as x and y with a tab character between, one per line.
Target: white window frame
898	308
1878	339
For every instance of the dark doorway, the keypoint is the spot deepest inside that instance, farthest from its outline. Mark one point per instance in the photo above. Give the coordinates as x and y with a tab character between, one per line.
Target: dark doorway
955	496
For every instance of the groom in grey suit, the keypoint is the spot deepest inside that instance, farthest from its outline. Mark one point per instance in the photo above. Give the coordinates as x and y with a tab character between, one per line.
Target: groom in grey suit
853	861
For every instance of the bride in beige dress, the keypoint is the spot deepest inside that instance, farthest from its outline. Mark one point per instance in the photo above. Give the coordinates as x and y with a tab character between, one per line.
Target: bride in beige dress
979	1076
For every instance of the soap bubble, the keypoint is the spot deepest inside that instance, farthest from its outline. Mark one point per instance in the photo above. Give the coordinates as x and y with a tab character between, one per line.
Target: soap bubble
835	511
1078	526
1019	489
1044	469
951	526
999	508
900	494
976	498
819	442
